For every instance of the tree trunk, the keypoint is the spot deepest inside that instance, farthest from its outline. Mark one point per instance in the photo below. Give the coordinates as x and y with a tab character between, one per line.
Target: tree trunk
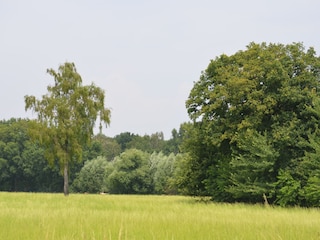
66	180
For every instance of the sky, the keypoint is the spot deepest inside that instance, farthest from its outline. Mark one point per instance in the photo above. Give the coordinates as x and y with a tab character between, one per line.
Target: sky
145	54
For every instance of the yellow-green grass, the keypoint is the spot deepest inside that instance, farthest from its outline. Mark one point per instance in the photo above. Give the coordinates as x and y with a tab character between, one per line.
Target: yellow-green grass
53	216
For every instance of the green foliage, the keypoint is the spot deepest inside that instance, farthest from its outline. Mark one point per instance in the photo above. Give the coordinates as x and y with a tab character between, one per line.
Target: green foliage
153	143
181	174
66	117
109	146
173	144
252	167
287	189
252	115
192	170
130	173
101	145
255	130
90	179
162	169
311	191
23	166
204	170
22	163
299	184
124	139
308	171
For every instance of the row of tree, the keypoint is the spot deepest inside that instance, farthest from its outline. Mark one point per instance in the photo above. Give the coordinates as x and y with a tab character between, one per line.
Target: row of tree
132	172
23	166
255	132
136	164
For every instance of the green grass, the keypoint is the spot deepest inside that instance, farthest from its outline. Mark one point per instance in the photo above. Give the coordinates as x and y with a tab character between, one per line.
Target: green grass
53	216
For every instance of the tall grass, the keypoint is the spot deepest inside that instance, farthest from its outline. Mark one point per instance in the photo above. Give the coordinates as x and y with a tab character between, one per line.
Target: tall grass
53	216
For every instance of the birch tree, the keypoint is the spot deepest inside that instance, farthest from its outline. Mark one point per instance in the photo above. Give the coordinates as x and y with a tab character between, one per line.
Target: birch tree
66	116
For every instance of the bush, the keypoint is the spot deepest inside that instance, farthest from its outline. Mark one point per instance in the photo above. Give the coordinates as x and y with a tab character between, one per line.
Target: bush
130	173
91	176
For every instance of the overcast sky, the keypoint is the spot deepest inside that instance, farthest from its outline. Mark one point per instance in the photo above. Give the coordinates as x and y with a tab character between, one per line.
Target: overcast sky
145	54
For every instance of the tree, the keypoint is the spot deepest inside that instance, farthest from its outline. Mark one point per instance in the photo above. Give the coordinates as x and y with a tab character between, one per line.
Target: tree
252	166
162	169
193	168
172	145
90	179
130	173
66	116
146	143
109	146
22	163
269	90
124	139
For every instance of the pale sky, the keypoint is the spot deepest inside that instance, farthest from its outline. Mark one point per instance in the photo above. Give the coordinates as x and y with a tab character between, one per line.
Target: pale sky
146	55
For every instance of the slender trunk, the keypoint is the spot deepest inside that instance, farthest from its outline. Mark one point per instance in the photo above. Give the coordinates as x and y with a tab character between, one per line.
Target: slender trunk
66	180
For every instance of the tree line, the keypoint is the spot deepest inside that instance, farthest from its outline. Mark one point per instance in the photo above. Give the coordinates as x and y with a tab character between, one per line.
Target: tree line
254	136
146	162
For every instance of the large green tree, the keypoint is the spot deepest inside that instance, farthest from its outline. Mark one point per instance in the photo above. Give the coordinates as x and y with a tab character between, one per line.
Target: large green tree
66	116
253	115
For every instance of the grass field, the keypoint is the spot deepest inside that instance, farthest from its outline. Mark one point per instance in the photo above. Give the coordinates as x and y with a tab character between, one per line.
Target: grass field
53	216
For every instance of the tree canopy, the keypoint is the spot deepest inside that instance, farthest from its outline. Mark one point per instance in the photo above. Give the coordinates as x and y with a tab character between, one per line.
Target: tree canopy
104	167
66	116
130	173
22	163
255	117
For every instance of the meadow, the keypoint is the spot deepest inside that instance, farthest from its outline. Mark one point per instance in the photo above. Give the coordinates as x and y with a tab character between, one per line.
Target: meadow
82	216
